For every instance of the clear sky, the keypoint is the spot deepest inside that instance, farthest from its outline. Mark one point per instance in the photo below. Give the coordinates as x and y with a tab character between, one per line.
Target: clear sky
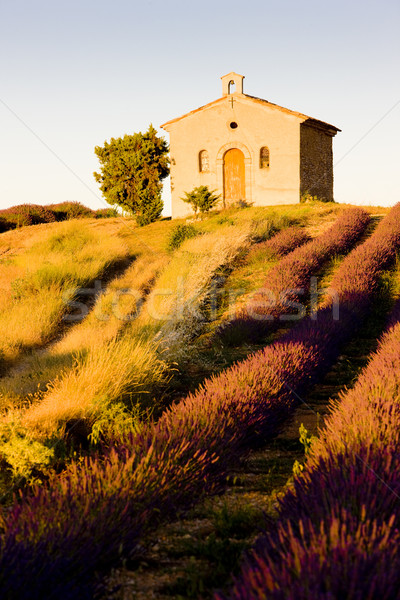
76	73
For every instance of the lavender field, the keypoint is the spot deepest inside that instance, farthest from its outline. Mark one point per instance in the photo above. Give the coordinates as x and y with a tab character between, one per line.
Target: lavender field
148	451
336	535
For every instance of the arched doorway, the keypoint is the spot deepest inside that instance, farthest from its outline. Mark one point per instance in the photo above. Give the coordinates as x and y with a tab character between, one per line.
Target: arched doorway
234	175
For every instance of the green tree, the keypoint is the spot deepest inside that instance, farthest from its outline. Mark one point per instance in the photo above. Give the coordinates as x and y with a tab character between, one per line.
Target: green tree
201	198
131	173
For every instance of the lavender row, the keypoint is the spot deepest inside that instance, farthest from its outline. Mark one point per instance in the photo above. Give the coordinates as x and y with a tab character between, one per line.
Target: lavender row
289	280
294	272
283	242
337	534
338	530
60	536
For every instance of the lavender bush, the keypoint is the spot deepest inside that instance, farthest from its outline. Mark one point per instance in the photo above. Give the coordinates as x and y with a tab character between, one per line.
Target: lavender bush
283	242
289	280
26	214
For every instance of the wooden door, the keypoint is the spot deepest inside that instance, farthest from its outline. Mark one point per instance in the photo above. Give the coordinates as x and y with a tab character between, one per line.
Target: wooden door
234	178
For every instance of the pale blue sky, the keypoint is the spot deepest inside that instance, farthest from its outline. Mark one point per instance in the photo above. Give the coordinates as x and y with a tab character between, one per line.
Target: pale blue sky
76	73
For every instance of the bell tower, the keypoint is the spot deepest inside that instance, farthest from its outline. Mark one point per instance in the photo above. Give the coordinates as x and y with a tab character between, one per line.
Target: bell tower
232	83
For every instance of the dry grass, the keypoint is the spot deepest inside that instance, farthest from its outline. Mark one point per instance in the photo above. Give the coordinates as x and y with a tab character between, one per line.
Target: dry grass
115	308
49	273
172	312
105	369
112	352
113	311
108	364
98	357
115	369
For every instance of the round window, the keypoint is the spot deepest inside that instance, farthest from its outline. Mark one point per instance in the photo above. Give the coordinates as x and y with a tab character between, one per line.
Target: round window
233	125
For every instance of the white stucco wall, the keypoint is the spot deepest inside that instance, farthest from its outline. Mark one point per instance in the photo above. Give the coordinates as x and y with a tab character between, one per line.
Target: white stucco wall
258	125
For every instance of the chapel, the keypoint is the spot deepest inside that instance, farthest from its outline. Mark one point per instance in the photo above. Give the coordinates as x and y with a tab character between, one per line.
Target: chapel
250	150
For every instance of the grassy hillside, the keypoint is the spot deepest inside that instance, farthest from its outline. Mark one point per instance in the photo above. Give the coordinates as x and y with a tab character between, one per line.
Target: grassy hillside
86	304
99	315
108	330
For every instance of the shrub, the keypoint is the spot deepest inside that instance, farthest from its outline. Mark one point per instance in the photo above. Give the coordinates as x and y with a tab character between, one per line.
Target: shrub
106	213
5	225
27	214
307	197
32	214
243	204
201	199
20	451
71	210
263	230
179	234
131	172
115	420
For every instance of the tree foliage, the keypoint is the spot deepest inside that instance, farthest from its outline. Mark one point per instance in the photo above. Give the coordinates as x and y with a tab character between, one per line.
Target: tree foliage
131	174
201	199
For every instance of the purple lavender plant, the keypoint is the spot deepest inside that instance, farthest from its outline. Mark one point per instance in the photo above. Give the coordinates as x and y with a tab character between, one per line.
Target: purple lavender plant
337	532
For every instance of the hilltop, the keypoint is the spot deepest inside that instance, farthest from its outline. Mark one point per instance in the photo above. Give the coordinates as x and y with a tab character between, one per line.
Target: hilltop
108	330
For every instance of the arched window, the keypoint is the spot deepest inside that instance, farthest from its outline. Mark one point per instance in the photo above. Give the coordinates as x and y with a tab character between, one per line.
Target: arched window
264	157
231	87
204	162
